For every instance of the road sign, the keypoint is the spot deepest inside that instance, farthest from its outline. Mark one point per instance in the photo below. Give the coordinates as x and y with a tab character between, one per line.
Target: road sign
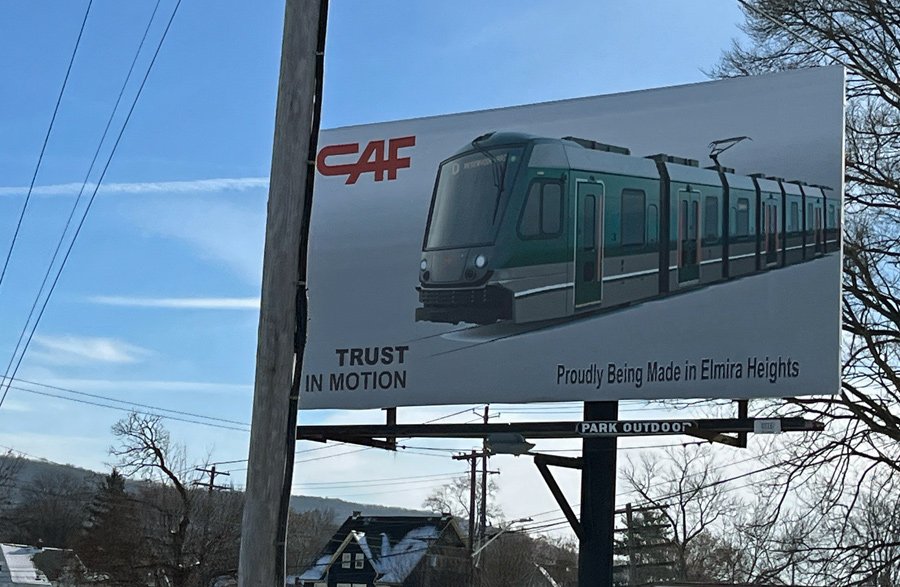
635	427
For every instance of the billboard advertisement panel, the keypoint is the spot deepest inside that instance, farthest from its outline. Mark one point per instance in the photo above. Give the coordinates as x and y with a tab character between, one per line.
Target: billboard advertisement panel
586	249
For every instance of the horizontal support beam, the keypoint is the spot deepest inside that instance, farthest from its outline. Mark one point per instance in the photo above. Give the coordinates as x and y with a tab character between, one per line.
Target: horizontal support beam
734	441
535	430
558	461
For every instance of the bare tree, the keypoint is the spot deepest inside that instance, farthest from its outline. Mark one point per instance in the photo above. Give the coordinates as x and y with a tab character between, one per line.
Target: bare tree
145	448
214	536
51	510
862	445
10	465
510	560
454	498
307	535
687	490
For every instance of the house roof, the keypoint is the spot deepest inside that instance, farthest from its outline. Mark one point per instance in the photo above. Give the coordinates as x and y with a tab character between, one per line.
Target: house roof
17	566
393	545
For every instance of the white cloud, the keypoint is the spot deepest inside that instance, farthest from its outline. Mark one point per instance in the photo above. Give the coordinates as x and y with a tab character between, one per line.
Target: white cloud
69	349
219	231
179	303
148	187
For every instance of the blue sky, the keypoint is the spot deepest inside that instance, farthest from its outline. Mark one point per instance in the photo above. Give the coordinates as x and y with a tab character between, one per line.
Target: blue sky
157	303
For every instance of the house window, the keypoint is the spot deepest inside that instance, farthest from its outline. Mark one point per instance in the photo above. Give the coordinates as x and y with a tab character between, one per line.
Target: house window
344	585
358	561
346	558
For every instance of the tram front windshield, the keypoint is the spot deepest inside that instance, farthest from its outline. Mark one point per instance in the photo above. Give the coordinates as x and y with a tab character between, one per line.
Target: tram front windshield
470	196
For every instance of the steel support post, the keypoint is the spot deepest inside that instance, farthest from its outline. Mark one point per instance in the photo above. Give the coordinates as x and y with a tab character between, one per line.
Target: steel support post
598	501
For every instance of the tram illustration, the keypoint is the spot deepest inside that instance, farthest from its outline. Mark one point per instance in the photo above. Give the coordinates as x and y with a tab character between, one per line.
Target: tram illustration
524	228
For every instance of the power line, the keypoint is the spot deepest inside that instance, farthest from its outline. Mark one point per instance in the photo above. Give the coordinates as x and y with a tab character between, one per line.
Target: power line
37	167
91	201
87	176
127	403
124	409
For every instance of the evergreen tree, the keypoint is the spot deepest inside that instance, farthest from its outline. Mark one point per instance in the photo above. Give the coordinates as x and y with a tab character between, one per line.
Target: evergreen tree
110	543
646	550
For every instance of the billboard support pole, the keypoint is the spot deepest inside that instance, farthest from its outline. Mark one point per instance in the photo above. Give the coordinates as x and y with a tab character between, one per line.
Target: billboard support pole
282	318
598	501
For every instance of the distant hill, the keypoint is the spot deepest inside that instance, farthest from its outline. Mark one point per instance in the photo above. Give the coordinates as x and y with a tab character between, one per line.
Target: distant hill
343	509
32	469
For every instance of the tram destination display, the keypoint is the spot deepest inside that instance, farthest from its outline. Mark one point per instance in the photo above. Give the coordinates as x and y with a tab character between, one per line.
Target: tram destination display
680	242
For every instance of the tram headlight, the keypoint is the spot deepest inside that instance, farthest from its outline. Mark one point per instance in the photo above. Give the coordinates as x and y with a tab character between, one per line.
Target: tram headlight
423	265
480	261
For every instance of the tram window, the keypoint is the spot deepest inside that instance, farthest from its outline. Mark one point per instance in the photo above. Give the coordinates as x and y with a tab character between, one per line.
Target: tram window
551	209
530	223
711	218
589	213
633	217
742	219
542	214
832	216
809	218
652	223
795	218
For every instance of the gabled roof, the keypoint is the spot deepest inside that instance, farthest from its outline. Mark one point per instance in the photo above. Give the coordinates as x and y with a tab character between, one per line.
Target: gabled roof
17	566
393	545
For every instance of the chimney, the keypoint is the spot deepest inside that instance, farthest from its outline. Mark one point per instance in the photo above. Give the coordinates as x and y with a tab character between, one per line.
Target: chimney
356	515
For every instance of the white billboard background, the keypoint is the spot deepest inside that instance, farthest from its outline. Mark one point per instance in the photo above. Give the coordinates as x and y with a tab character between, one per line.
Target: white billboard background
366	244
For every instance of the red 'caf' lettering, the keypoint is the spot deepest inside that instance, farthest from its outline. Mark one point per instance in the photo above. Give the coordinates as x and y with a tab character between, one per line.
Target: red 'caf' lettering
372	160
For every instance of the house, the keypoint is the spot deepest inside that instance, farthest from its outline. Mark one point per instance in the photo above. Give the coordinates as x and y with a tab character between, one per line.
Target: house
395	551
17	566
33	565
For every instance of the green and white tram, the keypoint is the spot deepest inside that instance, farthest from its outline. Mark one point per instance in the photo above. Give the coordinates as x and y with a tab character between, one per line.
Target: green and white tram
525	228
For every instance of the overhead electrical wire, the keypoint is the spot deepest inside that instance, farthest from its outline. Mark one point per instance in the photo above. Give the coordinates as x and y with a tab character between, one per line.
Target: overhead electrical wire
62	236
90	202
37	168
140	408
124	409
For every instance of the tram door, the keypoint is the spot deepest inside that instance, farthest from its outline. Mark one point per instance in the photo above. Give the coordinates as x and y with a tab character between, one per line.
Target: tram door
688	236
589	244
820	241
770	233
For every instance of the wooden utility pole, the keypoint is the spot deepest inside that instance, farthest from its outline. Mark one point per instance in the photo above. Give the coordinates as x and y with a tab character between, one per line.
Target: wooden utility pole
474	461
282	328
629	521
213	473
482	522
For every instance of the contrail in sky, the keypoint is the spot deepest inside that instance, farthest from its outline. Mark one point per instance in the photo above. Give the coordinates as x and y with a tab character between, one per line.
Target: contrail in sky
179	303
147	187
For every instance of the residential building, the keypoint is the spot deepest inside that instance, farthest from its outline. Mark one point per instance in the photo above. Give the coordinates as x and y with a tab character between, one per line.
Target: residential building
395	551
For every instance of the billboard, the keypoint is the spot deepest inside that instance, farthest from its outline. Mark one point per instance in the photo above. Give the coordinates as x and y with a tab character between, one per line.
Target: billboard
586	249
